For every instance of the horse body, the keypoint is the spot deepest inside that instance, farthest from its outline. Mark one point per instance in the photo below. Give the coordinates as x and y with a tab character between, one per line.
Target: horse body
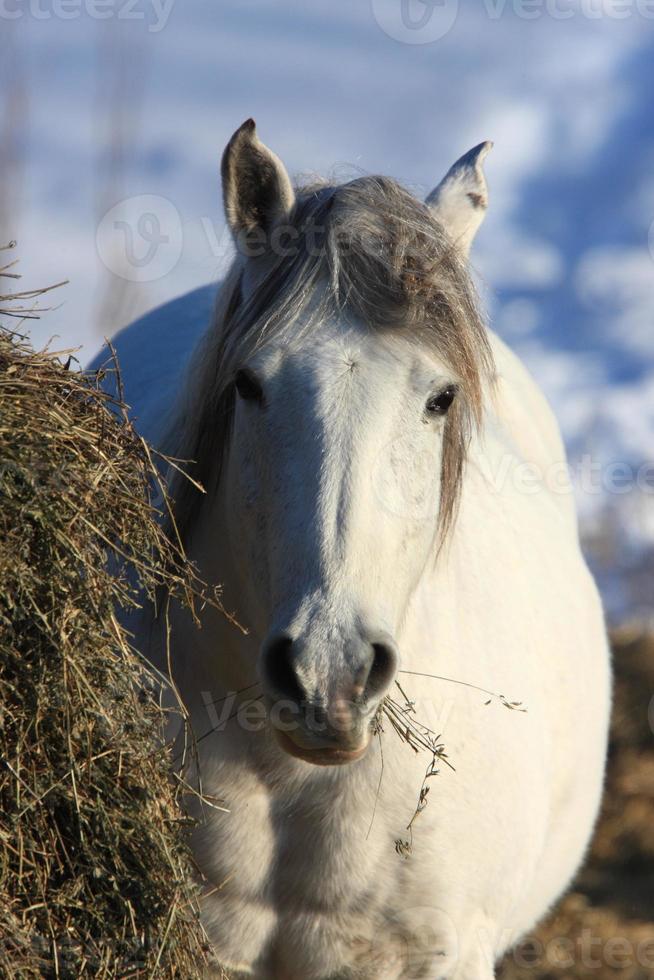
319	871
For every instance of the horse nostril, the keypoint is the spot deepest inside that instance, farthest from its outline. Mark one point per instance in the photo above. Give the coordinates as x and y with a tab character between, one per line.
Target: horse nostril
382	669
279	668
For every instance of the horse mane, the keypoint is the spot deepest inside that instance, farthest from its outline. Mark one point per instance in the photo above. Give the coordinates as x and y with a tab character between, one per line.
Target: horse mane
366	249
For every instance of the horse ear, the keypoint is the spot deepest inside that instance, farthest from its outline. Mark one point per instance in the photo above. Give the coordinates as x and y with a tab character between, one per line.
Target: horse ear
460	200
257	191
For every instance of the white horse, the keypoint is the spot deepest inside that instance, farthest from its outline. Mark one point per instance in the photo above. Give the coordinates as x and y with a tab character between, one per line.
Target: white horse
387	500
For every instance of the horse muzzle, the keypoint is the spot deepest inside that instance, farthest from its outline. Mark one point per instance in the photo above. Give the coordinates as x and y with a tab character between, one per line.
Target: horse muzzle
321	708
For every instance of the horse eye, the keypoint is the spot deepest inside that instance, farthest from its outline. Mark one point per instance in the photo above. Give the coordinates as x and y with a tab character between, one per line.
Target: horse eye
248	387
439	404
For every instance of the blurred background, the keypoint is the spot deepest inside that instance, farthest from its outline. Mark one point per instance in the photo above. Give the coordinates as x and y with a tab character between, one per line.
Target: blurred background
113	116
114	113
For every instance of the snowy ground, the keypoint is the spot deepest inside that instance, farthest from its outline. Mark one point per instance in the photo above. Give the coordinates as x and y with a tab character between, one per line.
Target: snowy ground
109	101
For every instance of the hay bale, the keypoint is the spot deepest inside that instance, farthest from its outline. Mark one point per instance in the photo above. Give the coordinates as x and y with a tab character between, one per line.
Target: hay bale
94	871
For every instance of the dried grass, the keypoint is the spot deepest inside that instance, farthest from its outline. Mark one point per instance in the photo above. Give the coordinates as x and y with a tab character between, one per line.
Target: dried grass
94	872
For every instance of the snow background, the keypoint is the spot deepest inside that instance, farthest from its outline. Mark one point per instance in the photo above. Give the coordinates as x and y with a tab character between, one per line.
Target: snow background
94	112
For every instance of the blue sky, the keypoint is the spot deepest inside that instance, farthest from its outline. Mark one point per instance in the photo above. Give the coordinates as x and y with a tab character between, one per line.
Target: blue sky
141	102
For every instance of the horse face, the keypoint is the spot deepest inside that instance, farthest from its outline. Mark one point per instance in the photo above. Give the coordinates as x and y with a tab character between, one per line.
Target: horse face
332	496
332	482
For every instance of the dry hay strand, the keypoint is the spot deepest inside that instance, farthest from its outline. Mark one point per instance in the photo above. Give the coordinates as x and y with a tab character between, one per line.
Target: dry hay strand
406	724
22	305
94	870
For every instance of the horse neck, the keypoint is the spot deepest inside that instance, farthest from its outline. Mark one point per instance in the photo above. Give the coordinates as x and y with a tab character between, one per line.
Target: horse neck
222	652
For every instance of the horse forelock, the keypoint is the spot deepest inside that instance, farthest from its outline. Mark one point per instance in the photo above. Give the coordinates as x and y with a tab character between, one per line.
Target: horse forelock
366	250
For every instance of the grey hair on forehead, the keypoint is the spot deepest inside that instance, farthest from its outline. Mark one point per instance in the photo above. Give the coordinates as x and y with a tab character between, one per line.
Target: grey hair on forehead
367	250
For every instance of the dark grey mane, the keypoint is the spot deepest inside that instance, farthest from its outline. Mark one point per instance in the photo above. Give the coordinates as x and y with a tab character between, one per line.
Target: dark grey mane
366	249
